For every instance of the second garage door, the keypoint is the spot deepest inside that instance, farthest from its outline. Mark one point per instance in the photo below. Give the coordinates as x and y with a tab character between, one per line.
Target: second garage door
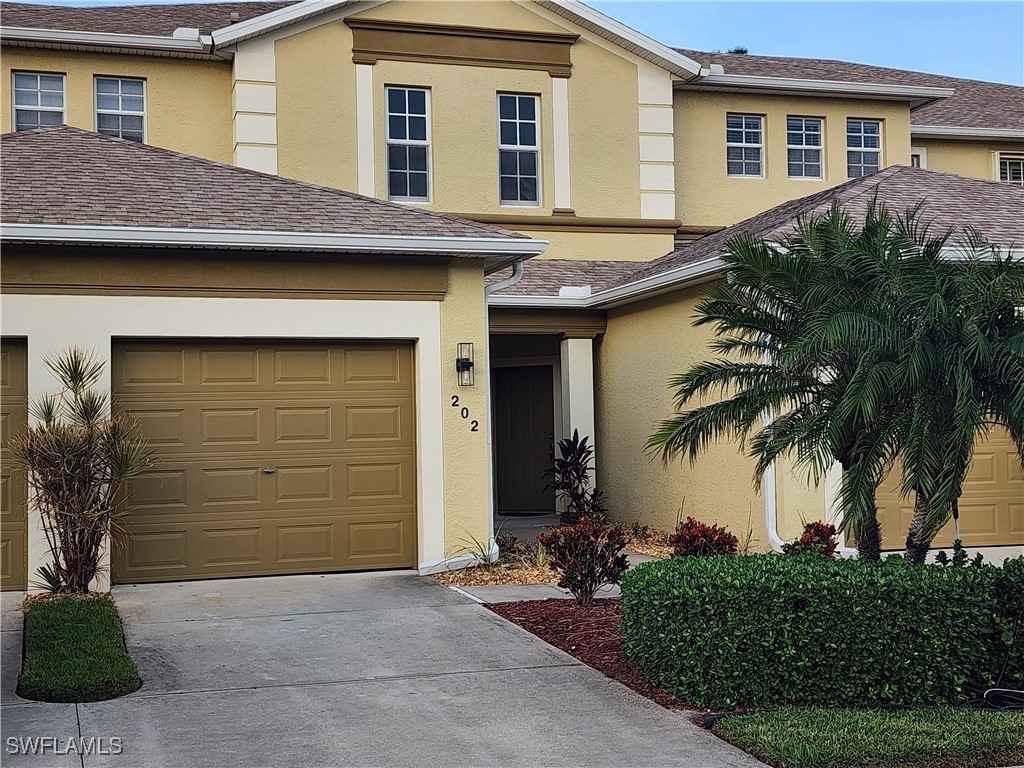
991	506
275	458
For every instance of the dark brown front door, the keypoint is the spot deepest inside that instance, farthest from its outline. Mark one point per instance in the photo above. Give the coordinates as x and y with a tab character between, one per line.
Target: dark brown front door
524	417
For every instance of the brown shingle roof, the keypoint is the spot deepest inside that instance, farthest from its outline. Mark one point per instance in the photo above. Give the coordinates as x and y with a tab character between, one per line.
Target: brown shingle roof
134	19
65	175
543	277
975	104
993	208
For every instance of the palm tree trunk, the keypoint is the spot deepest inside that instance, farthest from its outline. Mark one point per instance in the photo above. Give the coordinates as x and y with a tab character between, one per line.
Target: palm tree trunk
869	540
917	547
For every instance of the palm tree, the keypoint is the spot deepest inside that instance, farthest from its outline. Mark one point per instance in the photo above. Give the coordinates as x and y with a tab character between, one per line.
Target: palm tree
793	321
856	345
957	366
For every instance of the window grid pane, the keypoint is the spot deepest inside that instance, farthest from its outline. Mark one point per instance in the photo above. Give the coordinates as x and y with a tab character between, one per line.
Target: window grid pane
120	108
38	100
518	150
864	147
804	142
408	144
743	145
1011	169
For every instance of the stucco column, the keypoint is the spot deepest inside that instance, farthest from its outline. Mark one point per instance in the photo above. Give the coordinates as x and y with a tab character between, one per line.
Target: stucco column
578	387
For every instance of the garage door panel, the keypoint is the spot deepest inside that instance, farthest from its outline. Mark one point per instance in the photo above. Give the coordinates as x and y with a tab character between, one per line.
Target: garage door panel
304	544
991	505
13	483
332	424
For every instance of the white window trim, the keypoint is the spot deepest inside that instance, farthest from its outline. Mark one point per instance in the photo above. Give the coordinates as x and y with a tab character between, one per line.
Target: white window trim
759	147
64	91
881	143
409	143
999	157
96	104
519	147
921	152
820	148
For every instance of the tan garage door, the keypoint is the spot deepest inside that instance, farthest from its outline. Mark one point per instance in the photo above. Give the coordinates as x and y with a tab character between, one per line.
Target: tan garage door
13	488
991	507
275	458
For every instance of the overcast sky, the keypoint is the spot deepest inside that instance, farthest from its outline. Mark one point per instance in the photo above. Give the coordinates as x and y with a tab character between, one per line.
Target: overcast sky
980	40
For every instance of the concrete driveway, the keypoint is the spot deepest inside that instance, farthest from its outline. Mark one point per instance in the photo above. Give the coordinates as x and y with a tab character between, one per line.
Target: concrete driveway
350	670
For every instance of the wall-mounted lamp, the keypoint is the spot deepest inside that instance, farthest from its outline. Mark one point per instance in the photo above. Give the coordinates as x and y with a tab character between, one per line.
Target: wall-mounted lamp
464	364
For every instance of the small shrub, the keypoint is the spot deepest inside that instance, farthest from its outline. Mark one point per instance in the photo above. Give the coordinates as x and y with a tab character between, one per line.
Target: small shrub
509	546
586	556
570	480
696	539
818	538
960	557
763	630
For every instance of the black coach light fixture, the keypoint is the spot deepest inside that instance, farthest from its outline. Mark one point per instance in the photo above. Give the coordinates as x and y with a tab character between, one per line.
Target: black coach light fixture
464	364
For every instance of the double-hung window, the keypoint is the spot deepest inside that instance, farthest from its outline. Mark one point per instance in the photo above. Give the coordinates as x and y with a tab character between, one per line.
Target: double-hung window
121	107
744	145
804	147
863	147
408	144
1011	168
518	150
38	100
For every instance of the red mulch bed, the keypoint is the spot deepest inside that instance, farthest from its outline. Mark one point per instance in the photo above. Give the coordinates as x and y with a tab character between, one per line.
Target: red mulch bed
592	635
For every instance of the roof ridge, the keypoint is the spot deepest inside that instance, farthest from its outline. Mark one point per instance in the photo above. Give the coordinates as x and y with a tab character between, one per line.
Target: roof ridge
136	146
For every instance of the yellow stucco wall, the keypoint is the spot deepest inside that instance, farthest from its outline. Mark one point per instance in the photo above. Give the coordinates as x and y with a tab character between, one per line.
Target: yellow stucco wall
316	123
316	107
603	246
188	103
707	197
967	158
464	318
645	344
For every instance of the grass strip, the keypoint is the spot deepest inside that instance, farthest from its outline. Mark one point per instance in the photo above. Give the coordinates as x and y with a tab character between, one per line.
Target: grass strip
850	738
75	651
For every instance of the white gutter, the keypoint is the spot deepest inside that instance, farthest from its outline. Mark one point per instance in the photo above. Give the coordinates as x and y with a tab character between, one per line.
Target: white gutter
625	37
918	93
66	37
536	302
270	240
942	131
282	17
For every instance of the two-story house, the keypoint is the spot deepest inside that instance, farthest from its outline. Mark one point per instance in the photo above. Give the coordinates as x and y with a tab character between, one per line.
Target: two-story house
626	160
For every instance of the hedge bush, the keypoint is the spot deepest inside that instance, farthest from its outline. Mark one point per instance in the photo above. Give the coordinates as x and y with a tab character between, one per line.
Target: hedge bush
766	630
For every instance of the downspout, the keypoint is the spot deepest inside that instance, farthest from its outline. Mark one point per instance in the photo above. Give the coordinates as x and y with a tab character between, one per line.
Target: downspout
508	282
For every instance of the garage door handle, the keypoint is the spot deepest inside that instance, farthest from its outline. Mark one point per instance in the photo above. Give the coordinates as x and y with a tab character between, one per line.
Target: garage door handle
269	470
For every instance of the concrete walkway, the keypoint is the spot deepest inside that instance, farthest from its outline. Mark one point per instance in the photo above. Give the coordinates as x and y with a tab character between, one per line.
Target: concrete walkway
351	670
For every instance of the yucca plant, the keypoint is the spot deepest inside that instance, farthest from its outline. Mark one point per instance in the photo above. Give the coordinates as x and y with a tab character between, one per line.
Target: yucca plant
78	459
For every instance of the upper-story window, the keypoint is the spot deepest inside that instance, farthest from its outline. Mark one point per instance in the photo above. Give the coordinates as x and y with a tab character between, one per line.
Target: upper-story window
121	107
804	147
408	144
863	147
38	100
518	150
1011	167
744	145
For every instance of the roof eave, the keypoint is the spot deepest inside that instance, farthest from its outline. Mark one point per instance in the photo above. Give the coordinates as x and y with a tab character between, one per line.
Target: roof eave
917	95
497	250
282	17
67	39
965	132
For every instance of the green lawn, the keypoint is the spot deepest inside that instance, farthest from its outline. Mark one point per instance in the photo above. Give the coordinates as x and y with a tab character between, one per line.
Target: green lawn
838	738
74	651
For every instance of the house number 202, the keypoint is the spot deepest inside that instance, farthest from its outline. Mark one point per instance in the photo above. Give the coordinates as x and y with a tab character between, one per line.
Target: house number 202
474	425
